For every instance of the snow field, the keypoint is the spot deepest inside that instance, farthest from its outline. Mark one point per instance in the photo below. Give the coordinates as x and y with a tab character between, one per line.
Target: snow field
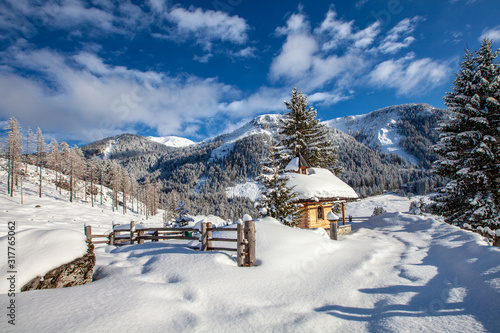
395	272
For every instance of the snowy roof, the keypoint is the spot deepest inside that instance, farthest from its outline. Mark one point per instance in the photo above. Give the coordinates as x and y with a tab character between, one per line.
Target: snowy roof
319	183
297	162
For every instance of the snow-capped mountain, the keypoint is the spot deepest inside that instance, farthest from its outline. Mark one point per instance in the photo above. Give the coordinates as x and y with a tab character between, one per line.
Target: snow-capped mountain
220	172
172	141
406	130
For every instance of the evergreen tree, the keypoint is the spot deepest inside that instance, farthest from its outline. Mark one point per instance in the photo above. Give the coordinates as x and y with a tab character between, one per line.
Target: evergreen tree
277	200
300	131
182	218
469	143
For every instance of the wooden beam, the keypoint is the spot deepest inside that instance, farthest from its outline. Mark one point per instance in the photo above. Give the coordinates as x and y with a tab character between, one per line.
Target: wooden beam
333	230
240	236
250	248
343	213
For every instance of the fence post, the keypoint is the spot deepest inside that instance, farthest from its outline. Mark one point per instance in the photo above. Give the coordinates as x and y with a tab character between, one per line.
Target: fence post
250	248
132	230
113	234
140	233
111	238
333	230
209	236
240	245
204	236
88	233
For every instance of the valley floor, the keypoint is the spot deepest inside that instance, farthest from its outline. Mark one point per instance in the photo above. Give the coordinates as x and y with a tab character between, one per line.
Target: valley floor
395	273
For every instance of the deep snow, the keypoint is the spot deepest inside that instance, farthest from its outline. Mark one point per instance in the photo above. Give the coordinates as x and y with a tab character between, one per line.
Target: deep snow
395	272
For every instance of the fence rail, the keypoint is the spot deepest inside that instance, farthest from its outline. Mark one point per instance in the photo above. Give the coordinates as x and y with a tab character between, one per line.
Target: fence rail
245	238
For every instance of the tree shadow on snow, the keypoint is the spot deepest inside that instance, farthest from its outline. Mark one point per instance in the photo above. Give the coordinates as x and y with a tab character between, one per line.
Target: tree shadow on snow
460	286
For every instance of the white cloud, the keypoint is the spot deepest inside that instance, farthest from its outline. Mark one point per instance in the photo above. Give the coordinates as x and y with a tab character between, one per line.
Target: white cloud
264	100
247	52
493	33
399	36
296	57
24	19
296	24
409	76
207	26
343	33
204	58
89	99
305	60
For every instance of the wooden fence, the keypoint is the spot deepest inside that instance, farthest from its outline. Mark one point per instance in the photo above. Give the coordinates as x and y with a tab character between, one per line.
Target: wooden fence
245	238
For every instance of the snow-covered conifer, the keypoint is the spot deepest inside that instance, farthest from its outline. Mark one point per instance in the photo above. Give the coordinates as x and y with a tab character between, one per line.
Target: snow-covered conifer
300	131
469	143
277	200
182	217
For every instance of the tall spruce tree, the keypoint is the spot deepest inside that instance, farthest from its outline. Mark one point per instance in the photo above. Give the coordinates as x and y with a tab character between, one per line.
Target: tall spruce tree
469	143
300	131
277	200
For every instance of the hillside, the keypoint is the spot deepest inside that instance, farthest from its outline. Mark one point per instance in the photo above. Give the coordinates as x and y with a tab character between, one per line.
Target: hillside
406	130
221	171
392	273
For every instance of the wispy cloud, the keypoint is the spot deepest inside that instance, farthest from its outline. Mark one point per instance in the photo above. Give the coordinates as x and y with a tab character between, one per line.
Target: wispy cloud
399	36
90	99
208	25
409	76
25	19
339	56
492	33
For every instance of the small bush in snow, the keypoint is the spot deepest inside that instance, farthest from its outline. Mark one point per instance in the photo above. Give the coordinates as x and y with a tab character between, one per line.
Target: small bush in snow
417	207
378	210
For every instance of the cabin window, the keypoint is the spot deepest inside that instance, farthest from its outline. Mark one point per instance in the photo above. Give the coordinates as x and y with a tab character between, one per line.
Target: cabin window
320	213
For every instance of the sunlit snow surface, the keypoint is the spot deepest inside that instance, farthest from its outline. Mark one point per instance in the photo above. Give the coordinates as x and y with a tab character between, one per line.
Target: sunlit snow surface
172	141
396	272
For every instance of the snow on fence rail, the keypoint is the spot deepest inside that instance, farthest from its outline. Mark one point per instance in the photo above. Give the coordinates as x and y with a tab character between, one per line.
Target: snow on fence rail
130	234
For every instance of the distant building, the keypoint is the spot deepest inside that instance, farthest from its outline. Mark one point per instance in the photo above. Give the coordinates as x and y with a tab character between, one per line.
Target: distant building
318	189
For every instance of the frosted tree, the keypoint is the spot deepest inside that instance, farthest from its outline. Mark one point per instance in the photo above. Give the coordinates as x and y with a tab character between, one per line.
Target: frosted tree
41	148
77	166
30	137
53	157
13	149
92	175
115	182
182	217
125	187
277	200
64	164
469	143
300	131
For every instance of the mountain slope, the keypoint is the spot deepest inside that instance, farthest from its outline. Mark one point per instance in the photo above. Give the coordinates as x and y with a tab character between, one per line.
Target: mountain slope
202	173
406	130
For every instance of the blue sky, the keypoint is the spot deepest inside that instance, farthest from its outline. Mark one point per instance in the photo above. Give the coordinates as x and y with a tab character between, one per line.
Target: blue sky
85	70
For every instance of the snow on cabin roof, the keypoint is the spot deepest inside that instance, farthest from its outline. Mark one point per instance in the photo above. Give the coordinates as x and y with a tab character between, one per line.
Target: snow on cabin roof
297	162
320	183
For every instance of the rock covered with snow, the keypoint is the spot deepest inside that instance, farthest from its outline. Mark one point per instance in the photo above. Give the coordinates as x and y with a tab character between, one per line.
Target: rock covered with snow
319	183
42	251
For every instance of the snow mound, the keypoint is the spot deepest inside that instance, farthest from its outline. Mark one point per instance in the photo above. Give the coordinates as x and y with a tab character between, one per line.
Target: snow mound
39	251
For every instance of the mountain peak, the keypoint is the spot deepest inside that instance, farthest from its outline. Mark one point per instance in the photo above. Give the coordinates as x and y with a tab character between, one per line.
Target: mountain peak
172	141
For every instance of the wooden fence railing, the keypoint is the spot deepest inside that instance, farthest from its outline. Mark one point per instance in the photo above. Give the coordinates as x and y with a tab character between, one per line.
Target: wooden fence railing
245	238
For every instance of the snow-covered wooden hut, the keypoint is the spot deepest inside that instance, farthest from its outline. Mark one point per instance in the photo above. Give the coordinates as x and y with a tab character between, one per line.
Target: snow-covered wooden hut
317	189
